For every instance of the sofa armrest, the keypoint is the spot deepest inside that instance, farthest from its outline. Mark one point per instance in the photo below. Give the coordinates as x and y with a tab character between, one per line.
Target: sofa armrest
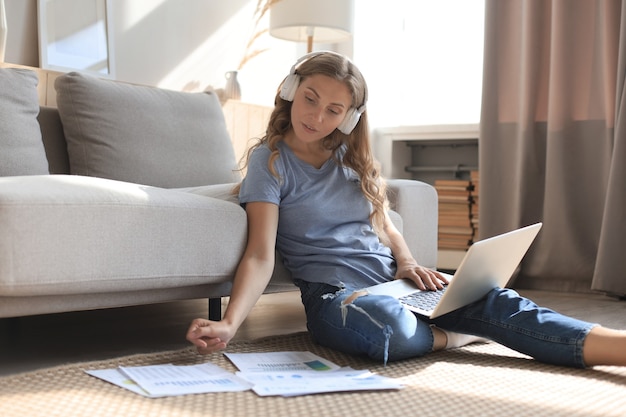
416	202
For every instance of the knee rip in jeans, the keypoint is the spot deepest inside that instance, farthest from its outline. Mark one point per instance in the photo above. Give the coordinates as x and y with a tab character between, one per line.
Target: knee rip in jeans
348	303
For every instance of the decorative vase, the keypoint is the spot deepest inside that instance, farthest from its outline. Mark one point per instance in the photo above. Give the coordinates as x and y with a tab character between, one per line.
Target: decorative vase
3	30
232	90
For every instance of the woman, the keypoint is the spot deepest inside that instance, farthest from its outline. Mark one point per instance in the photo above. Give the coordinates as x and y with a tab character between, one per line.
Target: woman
313	191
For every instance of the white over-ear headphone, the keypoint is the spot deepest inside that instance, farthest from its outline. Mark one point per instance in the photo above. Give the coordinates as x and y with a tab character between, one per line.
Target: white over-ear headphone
291	83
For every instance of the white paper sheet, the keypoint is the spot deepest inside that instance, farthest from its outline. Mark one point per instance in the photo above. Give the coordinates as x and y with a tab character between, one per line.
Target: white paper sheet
304	383
116	377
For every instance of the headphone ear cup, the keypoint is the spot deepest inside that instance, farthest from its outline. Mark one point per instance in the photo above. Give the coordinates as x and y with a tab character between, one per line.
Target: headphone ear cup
289	87
349	122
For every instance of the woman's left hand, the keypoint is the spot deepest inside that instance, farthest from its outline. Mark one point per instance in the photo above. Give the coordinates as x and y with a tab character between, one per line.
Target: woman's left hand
424	278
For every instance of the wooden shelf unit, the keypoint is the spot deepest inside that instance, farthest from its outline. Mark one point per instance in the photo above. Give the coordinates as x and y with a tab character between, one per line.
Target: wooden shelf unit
427	153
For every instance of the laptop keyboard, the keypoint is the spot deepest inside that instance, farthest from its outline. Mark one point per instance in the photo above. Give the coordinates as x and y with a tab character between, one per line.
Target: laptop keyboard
425	300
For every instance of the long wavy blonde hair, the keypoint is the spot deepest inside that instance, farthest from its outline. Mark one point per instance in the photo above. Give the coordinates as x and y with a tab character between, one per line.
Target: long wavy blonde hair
358	155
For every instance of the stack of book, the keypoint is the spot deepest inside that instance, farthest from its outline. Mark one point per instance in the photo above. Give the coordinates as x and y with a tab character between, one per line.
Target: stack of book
456	230
475	201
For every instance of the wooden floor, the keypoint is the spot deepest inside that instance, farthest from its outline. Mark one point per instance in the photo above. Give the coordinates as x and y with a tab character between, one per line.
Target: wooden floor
33	342
30	343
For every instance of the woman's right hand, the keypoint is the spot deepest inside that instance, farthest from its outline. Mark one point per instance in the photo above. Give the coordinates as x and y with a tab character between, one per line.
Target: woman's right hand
209	336
252	276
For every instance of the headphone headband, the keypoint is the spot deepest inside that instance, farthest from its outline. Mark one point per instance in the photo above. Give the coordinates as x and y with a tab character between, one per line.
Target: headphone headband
290	85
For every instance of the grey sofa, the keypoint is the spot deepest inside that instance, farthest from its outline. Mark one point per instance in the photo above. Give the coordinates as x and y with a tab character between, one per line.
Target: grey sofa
121	196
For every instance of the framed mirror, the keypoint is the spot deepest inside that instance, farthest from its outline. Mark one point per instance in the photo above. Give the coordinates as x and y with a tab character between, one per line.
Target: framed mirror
74	35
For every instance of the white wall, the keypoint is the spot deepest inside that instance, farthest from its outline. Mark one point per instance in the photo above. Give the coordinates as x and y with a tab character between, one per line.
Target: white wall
176	44
22	44
190	44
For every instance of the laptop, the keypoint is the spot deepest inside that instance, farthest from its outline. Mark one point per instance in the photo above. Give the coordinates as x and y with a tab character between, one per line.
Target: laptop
488	263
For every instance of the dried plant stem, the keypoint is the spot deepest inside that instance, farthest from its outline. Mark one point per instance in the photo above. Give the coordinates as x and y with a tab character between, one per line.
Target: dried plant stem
262	7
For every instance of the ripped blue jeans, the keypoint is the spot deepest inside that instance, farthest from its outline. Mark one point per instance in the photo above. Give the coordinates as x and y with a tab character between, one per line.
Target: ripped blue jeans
381	328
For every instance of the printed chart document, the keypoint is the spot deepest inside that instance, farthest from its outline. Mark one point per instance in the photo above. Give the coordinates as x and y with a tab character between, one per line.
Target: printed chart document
169	380
280	361
179	380
303	373
292	383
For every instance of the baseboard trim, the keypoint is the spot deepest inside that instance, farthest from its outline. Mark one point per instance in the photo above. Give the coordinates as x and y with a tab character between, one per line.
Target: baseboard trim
548	284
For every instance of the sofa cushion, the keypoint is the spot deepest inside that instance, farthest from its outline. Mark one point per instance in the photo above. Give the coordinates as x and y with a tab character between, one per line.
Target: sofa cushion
220	191
143	134
21	149
71	234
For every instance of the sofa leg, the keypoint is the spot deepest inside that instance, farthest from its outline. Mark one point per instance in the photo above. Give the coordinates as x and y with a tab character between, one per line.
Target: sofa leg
215	309
12	327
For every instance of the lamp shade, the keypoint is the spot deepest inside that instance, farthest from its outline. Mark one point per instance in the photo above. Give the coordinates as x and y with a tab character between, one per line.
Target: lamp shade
302	20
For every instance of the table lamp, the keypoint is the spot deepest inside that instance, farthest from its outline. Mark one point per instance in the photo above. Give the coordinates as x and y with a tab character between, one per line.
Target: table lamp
325	21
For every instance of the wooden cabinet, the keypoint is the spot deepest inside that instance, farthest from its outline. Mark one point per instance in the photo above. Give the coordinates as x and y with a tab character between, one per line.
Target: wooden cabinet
245	123
45	88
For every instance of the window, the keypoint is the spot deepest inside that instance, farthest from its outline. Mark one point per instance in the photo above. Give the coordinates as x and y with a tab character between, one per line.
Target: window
422	60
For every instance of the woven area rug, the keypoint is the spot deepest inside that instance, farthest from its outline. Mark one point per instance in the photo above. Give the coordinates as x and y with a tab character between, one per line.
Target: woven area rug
476	380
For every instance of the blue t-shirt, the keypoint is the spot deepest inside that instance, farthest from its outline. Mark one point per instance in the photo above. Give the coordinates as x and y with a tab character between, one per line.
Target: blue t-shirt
324	231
